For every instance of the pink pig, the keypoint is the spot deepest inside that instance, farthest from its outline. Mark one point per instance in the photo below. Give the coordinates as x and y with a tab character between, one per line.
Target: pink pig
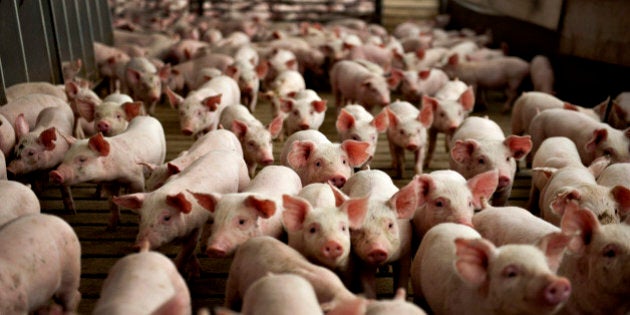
408	131
143	81
255	139
458	272
353	83
42	257
542	75
415	84
17	200
384	233
354	122
479	145
302	110
141	283
169	212
7	136
248	77
316	159
18	90
254	211
110	118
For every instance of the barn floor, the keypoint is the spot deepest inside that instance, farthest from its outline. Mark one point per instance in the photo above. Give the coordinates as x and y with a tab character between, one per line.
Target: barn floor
101	248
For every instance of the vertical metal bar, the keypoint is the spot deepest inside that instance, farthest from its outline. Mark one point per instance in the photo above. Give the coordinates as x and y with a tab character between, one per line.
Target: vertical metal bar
36	50
87	32
3	95
76	31
96	21
60	22
10	32
51	40
105	16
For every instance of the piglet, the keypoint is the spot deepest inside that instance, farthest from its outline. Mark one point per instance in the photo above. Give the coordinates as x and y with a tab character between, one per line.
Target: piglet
542	75
254	211
479	145
110	118
283	85
143	81
415	84
248	76
169	212
353	83
42	257
458	272
18	90
363	306
316	159
259	256
141	283
407	131
354	122
17	200
302	110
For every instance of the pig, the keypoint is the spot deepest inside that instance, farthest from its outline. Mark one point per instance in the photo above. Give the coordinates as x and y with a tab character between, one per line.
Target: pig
447	116
140	283
3	167
169	212
451	90
577	183
117	159
110	118
458	272
362	306
255	139
592	139
303	110
282	294
354	122
446	196
248	76
110	61
183	75
199	112
615	174
144	81
18	90
529	104
479	145
219	139
542	75
595	263
30	105
284	84
260	255
78	96
512	225
256	210
384	233
618	116
505	73
316	159
7	136
17	200
318	222
280	60
370	52
424	58
407	130
43	147
415	84
42	256
353	83
184	50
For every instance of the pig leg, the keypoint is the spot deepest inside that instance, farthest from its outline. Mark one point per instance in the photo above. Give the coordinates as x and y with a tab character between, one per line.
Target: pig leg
532	203
511	93
432	140
187	263
398	159
368	281
401	270
419	158
66	196
114	209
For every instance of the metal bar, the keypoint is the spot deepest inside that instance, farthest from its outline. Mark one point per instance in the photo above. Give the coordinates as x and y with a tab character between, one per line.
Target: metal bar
53	47
87	32
3	95
60	24
10	32
36	50
105	21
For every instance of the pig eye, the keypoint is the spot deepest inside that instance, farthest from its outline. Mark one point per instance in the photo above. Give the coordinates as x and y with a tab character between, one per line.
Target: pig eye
166	218
355	137
312	230
312	112
608	152
118	116
507	158
344	161
296	113
610	251
442	114
481	161
390	225
510	272
318	164
343	228
439	203
241	221
402	132
82	159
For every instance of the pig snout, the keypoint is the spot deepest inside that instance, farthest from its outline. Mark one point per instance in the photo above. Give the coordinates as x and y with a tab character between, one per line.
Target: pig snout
451	129
267	161
557	291
332	250
338	181
217	249
412	147
60	175
104	127
304	126
504	181
377	256
187	130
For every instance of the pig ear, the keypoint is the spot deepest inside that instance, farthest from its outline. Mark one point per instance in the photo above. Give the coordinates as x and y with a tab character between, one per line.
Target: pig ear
173	98
340	197
319	106
21	126
463	150
265	208
420	53
467	99
405	201
98	144
48	137
546	171
262	69
345	121
394	79
473	256
206	201
426	185
173	168
131	201
553	246
565	197
428	101
132	109
580	225
426	116
357	152
357	209
165	71
380	121
286	105
393	119
133	76
72	89
300	152
231	71
621	194
275	126
295	211
179	202
86	109
453	60
291	63
599	136
483	185
599	165
424	74
212	102
239	128
519	146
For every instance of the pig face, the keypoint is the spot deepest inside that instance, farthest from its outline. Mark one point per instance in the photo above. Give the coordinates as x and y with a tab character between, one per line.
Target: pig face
613	144
518	278
257	142
234	218
145	86
410	134
375	90
325	232
85	161
351	128
195	116
302	115
112	119
608	204
162	217
35	152
448	115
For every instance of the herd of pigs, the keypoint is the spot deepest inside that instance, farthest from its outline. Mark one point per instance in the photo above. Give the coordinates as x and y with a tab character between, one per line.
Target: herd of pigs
307	233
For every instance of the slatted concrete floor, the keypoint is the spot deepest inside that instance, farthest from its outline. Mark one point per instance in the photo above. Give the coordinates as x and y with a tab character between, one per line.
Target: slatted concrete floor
101	248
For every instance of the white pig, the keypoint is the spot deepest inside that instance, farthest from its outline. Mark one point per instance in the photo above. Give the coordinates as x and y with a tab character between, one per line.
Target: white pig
110	118
17	200
351	82
303	110
354	122
542	75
